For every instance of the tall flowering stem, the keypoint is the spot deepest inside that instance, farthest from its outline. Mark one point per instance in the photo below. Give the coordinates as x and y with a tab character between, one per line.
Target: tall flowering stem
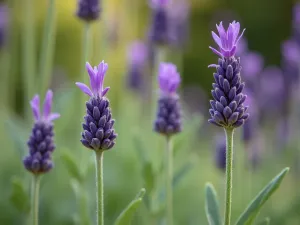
41	146
98	132
99	184
168	123
35	199
227	109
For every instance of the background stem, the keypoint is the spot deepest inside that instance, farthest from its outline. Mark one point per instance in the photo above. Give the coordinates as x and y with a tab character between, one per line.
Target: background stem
229	160
35	199
99	185
169	179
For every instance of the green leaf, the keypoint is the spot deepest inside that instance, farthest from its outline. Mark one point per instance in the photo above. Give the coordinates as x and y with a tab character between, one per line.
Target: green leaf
71	165
126	216
266	221
212	205
249	215
148	176
19	197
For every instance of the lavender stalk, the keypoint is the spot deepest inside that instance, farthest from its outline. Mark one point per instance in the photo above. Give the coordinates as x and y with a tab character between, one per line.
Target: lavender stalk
98	132
35	199
227	109
47	47
168	122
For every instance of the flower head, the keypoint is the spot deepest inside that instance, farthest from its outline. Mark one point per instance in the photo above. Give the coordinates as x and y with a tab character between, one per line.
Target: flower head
46	115
291	51
96	80
168	78
88	10
227	40
137	53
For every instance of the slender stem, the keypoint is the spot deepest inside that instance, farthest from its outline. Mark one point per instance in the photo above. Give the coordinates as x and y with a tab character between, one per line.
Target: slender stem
35	199
169	179
229	170
28	59
99	185
47	47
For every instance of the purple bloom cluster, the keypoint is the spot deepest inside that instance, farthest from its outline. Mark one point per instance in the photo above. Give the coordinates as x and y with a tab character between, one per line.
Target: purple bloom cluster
168	118
137	60
88	10
227	109
98	133
41	143
159	31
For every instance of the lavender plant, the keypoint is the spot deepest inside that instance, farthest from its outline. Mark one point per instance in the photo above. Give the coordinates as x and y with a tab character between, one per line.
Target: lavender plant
228	111
99	134
168	122
41	146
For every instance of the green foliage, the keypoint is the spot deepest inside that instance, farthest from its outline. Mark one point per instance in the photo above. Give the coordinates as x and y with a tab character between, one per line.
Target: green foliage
72	167
212	205
266	221
249	215
125	217
19	197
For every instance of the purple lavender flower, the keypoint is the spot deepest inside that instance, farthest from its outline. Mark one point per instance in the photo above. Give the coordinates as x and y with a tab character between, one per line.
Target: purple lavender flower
227	109
227	40
3	24
98	133
179	23
137	59
168	118
41	143
88	10
159	31
220	154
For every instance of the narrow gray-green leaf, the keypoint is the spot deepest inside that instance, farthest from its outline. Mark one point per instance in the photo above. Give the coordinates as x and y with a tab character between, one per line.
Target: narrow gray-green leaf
148	176
125	217
19	197
212	205
250	213
266	221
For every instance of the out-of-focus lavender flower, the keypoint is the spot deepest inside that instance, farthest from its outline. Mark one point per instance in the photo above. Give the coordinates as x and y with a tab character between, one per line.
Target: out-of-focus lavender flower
41	143
291	52
252	64
251	125
220	154
227	40
271	91
137	61
296	22
179	23
243	47
160	28
227	109
88	10
3	24
98	133
168	118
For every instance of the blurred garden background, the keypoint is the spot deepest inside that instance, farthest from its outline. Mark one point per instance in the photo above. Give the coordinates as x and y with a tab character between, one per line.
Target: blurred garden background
269	141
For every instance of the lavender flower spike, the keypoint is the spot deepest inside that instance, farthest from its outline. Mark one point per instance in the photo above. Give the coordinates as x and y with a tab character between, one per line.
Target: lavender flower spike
227	109
168	119
41	143
98	133
227	40
88	10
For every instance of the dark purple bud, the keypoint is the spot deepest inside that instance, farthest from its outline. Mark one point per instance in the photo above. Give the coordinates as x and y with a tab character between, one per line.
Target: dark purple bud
88	10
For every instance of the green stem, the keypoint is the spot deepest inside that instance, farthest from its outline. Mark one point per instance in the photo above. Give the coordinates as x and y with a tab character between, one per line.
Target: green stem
35	199
28	59
47	48
169	179
99	185
229	171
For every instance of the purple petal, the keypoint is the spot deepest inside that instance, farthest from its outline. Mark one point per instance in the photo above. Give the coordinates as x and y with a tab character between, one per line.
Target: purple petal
47	104
105	91
84	88
237	41
230	36
216	52
222	33
236	30
53	116
216	38
35	106
92	75
213	65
